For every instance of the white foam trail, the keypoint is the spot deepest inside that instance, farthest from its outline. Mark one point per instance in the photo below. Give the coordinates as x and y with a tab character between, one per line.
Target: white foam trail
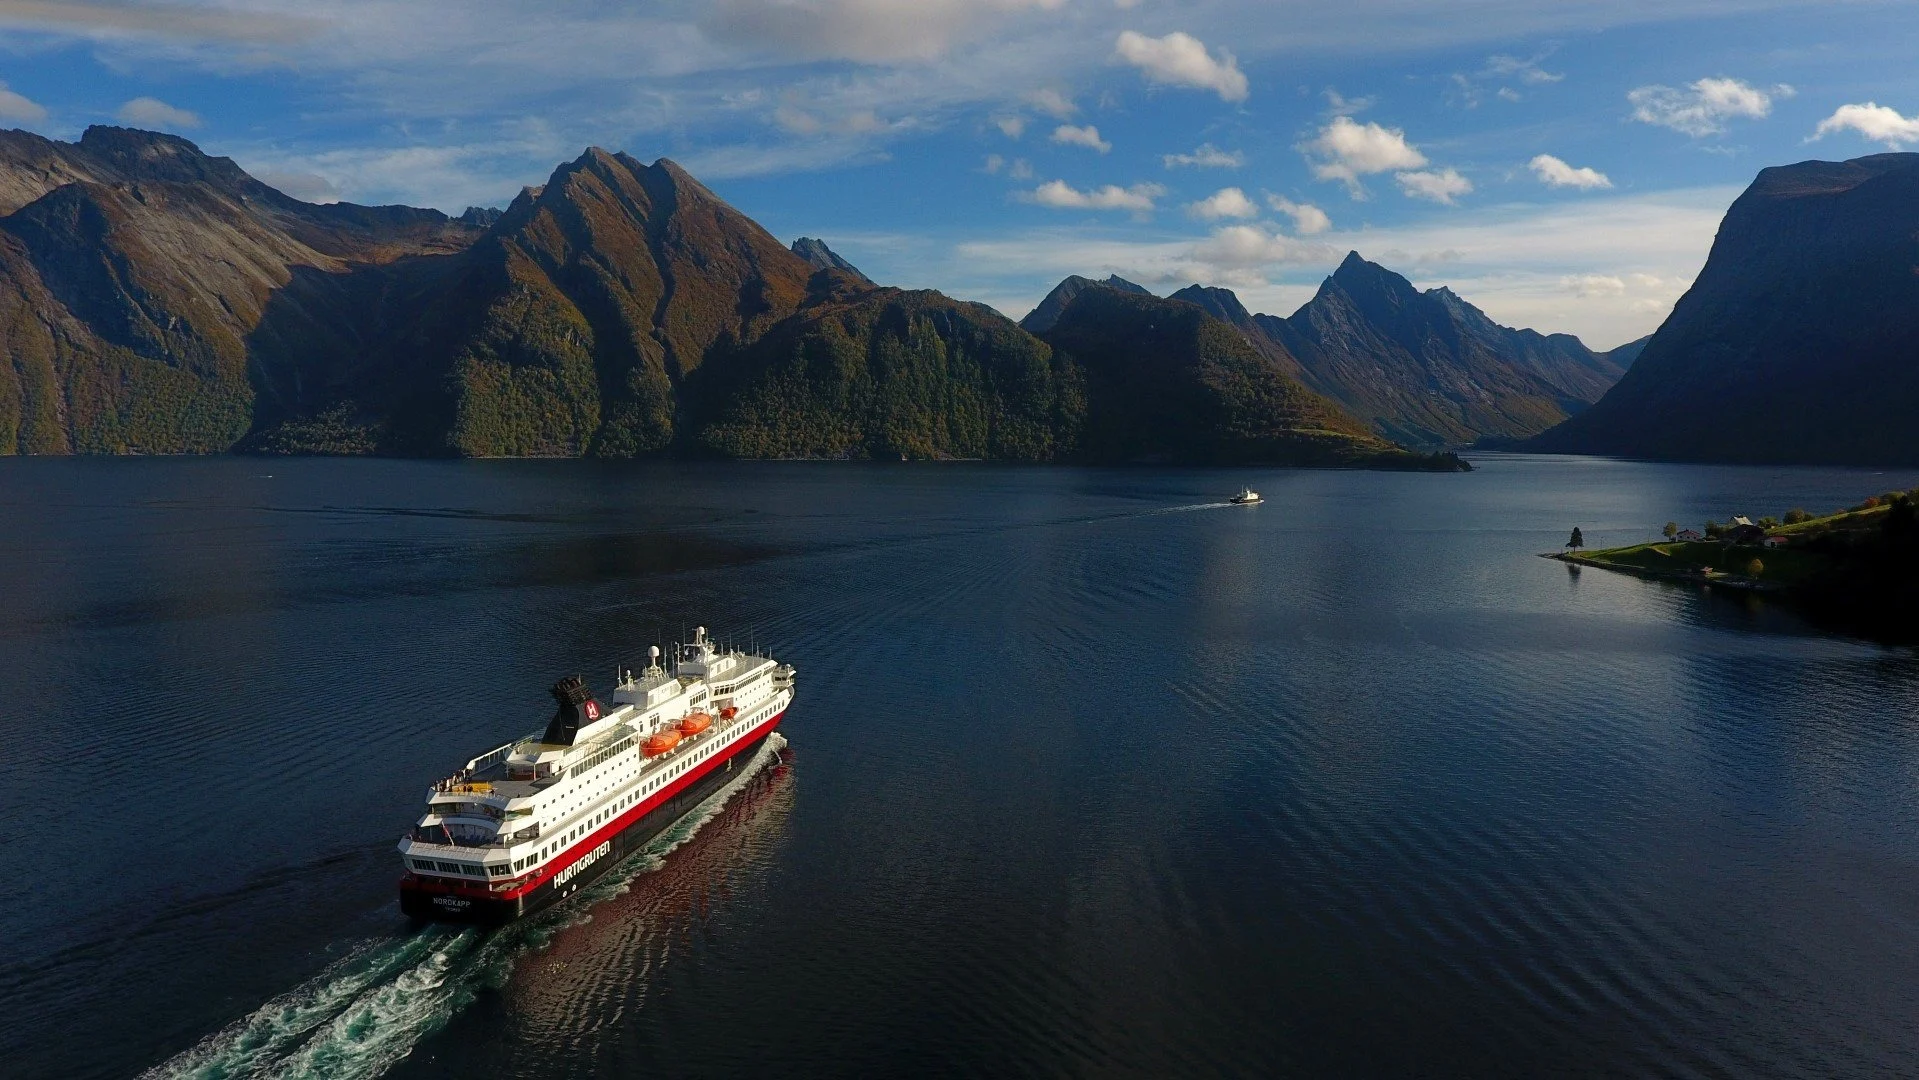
371	1007
1184	509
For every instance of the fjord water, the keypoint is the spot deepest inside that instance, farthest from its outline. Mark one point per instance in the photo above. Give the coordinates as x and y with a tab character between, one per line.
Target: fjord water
1089	774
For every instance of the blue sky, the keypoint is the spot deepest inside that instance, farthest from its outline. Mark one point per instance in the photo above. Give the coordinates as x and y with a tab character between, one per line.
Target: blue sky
1562	164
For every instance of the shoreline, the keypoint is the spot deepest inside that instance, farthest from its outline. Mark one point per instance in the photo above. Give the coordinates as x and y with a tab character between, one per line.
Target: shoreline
1712	579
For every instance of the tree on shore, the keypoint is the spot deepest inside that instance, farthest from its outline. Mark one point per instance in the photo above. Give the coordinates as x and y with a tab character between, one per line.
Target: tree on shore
1576	541
1671	530
1796	515
1755	568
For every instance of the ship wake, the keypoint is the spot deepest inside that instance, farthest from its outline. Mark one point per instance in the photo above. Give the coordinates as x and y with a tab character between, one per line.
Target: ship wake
370	1008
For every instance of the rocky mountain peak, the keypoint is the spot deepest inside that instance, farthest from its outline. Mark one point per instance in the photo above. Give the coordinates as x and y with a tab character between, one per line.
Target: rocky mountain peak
819	256
1221	304
1376	289
134	154
1042	317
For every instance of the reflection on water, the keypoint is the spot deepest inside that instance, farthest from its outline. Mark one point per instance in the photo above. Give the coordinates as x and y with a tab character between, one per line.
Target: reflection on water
1100	776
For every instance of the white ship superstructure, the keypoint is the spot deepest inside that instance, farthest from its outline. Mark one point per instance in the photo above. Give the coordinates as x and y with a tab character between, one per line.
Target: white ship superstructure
531	821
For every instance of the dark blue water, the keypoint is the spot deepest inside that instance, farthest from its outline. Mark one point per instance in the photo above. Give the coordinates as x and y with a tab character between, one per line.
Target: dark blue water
1088	775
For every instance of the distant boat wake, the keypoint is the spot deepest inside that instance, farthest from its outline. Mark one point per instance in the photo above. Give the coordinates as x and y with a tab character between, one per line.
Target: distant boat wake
370	1008
1184	509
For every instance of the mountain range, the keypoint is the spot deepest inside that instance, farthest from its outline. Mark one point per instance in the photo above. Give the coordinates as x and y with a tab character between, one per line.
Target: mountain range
1799	340
1425	369
155	299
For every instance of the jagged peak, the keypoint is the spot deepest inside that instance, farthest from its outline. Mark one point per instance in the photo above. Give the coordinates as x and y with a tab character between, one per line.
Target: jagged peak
821	257
1368	281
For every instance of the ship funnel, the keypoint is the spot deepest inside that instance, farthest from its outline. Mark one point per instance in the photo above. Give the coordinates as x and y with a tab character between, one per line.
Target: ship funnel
577	709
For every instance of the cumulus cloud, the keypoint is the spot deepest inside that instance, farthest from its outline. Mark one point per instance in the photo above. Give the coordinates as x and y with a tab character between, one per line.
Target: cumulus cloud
1224	203
1704	107
1180	59
1011	126
1877	122
1059	195
1205	156
1053	103
994	163
1087	136
1556	173
1347	150
1438	185
1021	169
1308	220
150	112
19	108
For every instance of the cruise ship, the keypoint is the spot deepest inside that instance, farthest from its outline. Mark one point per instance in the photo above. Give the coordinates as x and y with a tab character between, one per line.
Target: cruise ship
528	824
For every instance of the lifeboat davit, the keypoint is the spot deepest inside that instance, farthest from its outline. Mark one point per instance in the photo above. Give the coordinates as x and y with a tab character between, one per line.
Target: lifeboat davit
661	742
694	723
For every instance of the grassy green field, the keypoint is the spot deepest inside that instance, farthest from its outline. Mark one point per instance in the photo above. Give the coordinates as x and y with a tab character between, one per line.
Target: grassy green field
1782	566
1785	567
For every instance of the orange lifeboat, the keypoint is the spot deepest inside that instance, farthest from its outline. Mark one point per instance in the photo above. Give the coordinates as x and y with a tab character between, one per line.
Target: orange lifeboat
661	742
694	723
729	712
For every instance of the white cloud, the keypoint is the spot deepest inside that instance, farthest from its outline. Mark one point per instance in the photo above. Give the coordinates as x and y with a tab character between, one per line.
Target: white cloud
305	186
1011	126
1244	247
1021	169
19	108
994	163
1524	264
1308	220
1556	173
1877	122
149	112
866	31
1705	107
1205	156
1087	136
800	121
1438	185
1061	196
1338	104
1594	284
1526	71
1053	103
1347	150
1179	59
1224	203
163	20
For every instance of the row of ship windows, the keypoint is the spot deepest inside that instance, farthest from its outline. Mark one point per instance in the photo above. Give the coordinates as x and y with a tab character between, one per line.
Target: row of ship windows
590	763
627	800
467	869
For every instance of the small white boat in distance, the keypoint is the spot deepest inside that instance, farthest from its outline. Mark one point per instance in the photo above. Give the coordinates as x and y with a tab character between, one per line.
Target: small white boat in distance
1246	497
